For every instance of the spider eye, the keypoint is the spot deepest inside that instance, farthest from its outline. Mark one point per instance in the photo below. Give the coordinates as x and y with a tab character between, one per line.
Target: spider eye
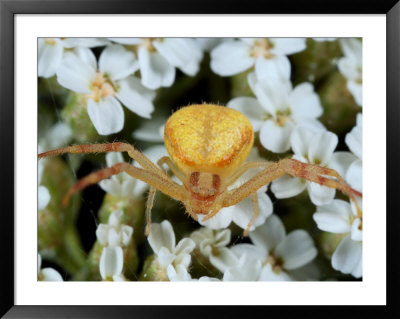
212	192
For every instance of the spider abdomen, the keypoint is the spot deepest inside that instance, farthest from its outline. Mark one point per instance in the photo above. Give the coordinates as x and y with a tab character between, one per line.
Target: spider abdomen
208	138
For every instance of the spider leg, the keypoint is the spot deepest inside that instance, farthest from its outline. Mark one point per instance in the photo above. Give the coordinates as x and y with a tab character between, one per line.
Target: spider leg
310	172
149	206
108	147
172	167
244	168
318	174
155	180
256	213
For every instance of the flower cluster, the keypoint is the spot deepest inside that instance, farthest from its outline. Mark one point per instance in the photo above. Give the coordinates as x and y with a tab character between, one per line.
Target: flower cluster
113	237
303	98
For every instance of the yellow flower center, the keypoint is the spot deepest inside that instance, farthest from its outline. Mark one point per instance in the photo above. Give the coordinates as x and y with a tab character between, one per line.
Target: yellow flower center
101	87
262	48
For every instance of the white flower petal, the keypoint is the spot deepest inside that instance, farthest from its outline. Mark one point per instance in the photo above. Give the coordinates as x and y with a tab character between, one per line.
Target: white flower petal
106	115
178	273
230	58
352	48
347	257
43	197
251	108
269	235
50	54
356	232
86	56
161	235
331	219
135	96
243	211
256	252
117	62
341	161
111	262
353	139
274	137
185	246
287	186
165	257
84	42
155	70
221	220
296	250
111	186
224	259
129	41
102	234
271	93
320	195
50	274
75	74
267	274
321	147
309	272
354	175
300	141
113	238
183	53
248	269
276	67
305	103
355	89
288	46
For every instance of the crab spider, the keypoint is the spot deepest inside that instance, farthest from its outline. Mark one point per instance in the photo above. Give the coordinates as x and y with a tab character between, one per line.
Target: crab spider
208	145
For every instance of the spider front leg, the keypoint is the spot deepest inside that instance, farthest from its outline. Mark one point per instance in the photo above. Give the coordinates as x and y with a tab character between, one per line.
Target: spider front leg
107	147
153	178
310	172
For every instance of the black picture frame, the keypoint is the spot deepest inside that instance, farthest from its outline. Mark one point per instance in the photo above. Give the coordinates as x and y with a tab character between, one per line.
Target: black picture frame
8	10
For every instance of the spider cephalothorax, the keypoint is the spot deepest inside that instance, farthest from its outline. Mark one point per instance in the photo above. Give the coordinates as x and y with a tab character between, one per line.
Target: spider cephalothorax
208	146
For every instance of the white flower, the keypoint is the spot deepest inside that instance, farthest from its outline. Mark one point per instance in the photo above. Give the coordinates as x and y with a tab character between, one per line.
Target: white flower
280	254
114	233
121	185
246	268
112	263
340	217
278	109
106	85
47	274
43	192
51	51
314	148
158	58
351	66
242	212
162	241
269	56
212	244
353	140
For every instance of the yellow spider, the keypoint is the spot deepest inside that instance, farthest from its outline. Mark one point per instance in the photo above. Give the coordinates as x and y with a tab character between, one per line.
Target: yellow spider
208	145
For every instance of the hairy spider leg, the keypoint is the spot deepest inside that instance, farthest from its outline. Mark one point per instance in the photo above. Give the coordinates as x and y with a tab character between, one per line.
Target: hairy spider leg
164	184
310	172
107	147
